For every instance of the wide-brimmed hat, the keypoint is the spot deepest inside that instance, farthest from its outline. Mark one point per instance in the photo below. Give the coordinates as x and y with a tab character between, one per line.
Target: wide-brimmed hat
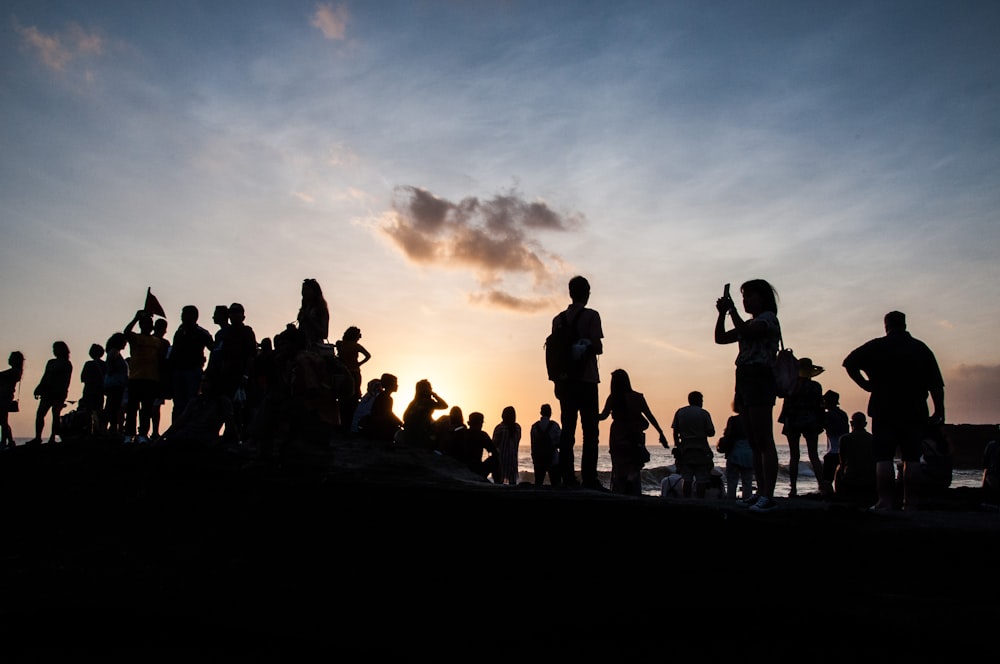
807	369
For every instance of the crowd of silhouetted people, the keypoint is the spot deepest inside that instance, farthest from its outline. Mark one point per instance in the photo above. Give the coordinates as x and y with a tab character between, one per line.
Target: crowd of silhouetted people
229	388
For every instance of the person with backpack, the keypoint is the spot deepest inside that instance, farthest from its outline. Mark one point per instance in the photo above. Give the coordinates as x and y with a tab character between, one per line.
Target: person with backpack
576	385
757	338
545	435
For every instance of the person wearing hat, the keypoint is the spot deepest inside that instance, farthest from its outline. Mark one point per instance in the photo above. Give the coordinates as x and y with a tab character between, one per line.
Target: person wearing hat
855	477
802	417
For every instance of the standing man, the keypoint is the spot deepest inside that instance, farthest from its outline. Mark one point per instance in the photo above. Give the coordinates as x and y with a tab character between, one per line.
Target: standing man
187	358
147	355
545	436
578	394
899	372
693	427
236	346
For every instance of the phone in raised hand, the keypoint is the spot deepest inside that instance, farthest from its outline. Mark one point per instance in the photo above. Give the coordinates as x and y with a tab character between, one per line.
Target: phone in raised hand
725	291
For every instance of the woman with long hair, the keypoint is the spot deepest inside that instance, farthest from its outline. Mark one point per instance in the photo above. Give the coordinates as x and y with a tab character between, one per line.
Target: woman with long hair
314	313
630	417
757	337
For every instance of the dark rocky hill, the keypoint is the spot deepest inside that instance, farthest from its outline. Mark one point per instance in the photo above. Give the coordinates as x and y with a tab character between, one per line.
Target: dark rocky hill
353	552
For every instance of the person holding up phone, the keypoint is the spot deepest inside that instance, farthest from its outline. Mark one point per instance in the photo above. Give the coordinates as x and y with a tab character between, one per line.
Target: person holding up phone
755	395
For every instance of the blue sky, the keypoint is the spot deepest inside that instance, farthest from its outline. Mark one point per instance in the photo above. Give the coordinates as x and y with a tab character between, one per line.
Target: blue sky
443	168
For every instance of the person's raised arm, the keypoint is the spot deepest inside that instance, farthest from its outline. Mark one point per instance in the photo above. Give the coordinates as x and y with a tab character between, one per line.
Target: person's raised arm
722	335
135	319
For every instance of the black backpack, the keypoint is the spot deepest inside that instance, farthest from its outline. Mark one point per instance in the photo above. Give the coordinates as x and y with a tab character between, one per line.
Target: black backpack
559	361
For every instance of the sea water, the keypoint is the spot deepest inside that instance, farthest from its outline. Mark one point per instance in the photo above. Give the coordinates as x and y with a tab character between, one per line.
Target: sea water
661	463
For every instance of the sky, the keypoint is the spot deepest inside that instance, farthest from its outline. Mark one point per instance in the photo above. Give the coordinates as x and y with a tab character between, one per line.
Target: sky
444	167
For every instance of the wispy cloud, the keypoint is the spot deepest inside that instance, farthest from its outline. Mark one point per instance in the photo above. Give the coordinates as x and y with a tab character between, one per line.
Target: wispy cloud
58	50
331	20
496	239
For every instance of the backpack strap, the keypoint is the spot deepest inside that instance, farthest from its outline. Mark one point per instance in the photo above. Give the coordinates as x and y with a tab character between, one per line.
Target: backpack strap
575	320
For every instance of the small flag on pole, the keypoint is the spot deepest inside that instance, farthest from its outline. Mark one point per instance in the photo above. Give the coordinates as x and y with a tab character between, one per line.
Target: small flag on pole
153	305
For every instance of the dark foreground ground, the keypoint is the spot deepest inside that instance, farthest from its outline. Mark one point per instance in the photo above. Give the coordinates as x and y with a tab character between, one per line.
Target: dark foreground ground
364	554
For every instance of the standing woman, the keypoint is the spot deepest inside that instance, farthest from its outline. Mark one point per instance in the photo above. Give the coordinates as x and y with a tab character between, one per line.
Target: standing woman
630	417
507	439
9	380
52	391
802	417
352	355
756	395
314	313
115	384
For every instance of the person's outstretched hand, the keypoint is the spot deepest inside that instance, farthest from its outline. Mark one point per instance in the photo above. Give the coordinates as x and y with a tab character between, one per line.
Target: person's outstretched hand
663	441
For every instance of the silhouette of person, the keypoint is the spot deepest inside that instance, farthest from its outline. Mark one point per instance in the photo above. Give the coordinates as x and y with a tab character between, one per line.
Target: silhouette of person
188	355
630	417
202	419
236	348
448	428
802	416
382	424
578	395
352	355
115	384
52	390
280	414
9	380
757	339
545	447
855	482
899	372
147	353
692	426
506	440
220	316
739	458
264	376
365	405
91	403
163	393
418	418
314	313
473	443
836	424
991	475
935	460
312	393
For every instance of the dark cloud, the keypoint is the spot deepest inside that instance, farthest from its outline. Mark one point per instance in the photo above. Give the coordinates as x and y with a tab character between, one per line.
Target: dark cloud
496	239
971	394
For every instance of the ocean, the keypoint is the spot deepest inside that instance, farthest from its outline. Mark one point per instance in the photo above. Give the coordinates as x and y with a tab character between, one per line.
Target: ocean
661	464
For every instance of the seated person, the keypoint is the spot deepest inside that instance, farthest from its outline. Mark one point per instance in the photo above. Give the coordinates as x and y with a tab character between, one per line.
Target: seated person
203	419
991	474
